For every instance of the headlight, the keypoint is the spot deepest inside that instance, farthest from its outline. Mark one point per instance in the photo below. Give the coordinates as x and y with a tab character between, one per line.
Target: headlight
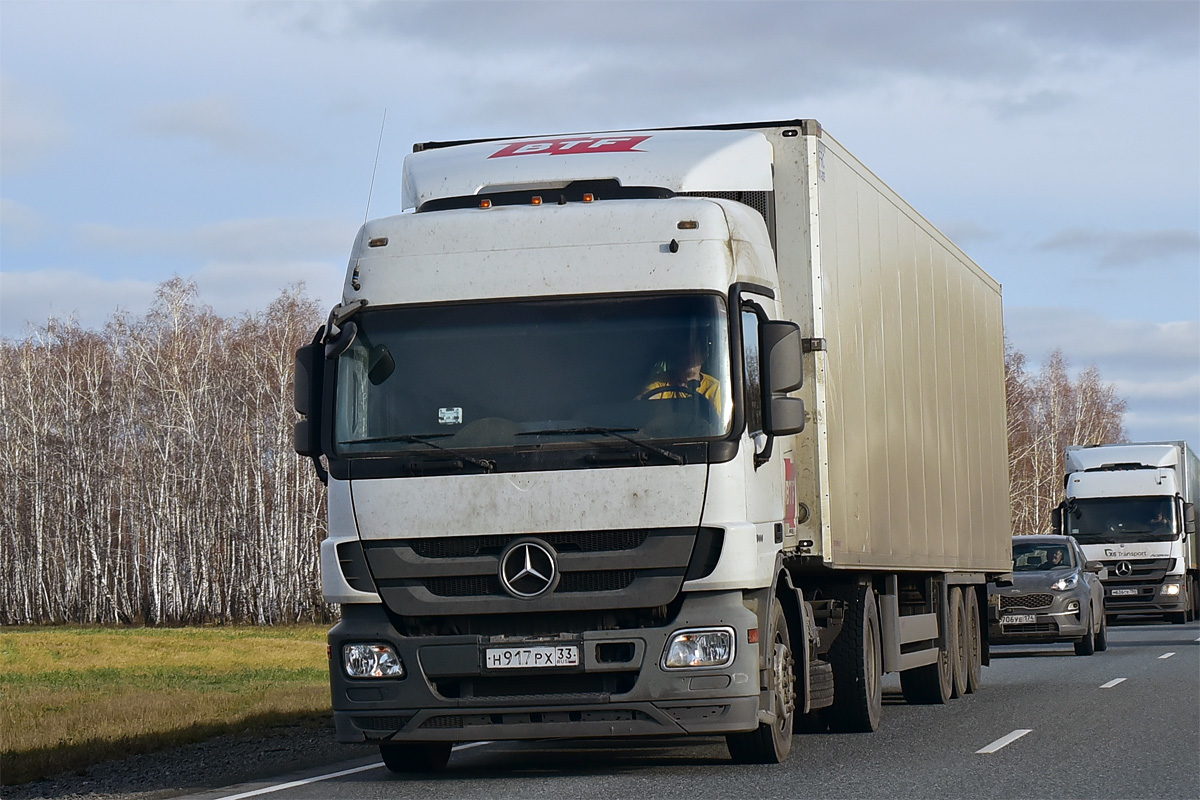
1063	584
371	661
699	648
1170	589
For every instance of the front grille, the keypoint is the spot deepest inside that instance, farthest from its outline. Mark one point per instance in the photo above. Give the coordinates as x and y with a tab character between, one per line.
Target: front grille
1025	601
607	570
380	723
585	542
1040	627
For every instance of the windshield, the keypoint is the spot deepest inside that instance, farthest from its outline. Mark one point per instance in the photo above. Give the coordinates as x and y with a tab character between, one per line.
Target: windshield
1031	557
529	373
1121	519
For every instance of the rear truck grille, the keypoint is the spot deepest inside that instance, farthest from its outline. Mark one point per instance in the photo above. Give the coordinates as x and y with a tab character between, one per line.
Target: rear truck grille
1030	601
610	570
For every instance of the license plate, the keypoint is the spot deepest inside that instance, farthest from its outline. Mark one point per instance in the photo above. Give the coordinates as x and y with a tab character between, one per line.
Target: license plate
1018	619
531	657
1124	592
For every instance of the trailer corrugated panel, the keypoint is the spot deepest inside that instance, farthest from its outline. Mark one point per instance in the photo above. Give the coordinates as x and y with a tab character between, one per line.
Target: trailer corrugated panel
907	452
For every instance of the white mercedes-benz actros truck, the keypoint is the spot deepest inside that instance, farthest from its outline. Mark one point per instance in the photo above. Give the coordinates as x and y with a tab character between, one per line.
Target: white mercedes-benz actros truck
1133	507
658	432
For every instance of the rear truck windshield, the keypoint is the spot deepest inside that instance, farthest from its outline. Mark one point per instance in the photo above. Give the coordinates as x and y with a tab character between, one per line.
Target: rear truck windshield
1121	519
443	379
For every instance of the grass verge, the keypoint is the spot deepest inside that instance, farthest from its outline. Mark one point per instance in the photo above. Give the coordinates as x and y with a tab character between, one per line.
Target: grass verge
73	697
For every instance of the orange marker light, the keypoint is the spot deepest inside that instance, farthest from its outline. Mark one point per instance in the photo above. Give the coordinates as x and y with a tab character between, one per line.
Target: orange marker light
589	197
537	201
485	203
752	636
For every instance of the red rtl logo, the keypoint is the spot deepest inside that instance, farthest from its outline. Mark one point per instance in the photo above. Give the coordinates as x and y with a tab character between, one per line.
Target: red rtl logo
566	147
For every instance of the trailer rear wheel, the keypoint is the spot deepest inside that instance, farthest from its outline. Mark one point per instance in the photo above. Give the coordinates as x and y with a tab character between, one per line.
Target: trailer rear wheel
974	641
960	656
405	757
932	684
856	656
771	743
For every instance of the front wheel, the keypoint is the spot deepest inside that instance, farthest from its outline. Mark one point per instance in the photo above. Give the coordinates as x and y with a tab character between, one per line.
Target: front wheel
1087	645
1101	640
771	743
403	757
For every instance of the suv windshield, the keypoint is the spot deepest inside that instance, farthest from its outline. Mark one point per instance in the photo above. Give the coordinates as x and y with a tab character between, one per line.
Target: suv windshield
1041	556
527	373
1121	519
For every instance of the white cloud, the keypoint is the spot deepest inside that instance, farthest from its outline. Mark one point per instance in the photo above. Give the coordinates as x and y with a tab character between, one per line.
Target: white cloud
246	240
216	121
1129	248
31	298
32	127
28	300
19	223
1155	366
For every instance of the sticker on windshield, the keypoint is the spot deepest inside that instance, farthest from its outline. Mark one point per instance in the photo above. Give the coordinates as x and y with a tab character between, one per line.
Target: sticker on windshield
450	416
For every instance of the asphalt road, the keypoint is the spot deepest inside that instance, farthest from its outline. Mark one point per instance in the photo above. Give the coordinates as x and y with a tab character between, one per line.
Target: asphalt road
1046	724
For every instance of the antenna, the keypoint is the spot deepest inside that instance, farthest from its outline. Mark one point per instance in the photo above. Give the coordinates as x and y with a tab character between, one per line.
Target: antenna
378	147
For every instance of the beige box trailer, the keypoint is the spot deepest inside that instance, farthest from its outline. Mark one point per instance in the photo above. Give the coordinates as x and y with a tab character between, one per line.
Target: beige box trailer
905	457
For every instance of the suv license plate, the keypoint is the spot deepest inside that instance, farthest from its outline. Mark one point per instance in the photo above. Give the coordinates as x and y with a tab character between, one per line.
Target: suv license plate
1018	619
531	657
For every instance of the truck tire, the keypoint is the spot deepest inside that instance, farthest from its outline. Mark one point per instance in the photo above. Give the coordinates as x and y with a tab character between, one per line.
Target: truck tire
932	684
856	656
1087	645
404	757
959	655
974	641
770	744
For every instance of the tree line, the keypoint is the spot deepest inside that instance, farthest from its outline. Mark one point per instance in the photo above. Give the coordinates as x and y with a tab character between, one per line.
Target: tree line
147	471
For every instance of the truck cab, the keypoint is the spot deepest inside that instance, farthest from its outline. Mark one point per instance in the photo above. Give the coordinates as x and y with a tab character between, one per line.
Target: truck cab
1131	507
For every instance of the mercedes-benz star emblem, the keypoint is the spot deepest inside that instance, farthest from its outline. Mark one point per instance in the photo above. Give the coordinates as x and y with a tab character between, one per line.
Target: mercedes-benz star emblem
528	569
1124	568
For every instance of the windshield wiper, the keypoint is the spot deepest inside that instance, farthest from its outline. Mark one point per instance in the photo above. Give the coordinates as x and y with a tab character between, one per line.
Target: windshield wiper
482	463
619	433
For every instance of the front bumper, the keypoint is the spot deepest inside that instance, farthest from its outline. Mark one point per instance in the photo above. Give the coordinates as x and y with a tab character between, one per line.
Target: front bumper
1039	617
619	688
1143	598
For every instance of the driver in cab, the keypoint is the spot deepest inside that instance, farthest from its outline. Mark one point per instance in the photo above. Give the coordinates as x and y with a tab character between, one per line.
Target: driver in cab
681	376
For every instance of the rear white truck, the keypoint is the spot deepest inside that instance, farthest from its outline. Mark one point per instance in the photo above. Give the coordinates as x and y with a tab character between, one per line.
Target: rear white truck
653	433
1133	508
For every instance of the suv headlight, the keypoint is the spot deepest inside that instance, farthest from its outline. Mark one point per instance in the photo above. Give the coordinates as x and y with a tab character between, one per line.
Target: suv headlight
371	661
709	647
1063	584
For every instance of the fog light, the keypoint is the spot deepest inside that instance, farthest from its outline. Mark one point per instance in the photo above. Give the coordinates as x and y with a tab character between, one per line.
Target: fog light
699	648
1072	605
1171	589
371	661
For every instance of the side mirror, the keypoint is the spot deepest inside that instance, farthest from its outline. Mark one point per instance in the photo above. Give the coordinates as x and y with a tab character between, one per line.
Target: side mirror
1094	566
1056	518
310	373
783	372
1189	518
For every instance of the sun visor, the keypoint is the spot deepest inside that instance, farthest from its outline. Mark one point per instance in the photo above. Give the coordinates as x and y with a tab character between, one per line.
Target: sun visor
680	161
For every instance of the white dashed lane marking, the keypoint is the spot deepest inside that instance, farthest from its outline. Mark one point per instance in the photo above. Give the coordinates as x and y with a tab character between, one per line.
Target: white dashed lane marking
1005	741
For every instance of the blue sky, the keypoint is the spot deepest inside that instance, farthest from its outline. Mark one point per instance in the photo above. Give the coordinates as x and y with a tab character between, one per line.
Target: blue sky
233	142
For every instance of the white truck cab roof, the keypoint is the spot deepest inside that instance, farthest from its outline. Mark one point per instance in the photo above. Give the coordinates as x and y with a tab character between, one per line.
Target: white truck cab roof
680	161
